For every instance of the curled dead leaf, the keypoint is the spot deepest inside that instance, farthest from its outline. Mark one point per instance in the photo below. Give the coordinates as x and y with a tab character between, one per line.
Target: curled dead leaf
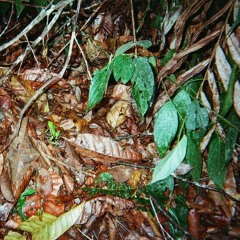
103	149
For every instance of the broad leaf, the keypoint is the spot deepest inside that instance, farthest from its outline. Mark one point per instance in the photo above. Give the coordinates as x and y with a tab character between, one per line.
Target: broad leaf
51	227
171	162
197	117
125	47
182	101
123	68
217	166
99	85
142	84
103	149
194	156
165	127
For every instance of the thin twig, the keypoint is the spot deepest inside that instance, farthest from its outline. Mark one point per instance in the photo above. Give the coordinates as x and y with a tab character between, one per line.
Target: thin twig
133	26
9	20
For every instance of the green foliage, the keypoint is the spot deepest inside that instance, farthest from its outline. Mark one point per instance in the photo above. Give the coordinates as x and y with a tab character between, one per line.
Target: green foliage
168	57
165	127
217	165
171	162
114	188
99	85
125	47
194	155
123	68
50	227
22	201
142	84
157	189
197	117
179	214
226	99
54	134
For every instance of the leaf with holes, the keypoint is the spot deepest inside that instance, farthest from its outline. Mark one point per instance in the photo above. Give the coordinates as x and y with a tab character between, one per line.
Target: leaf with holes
123	68
142	84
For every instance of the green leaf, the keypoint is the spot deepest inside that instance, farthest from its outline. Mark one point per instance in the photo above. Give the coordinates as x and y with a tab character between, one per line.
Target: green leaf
168	57
179	213
165	127
14	236
22	201
19	6
142	84
51	227
99	85
123	68
227	99
194	156
182	102
171	162
4	6
125	47
217	165
197	117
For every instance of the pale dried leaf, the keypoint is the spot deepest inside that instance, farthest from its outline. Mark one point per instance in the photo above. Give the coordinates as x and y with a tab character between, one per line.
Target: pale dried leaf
44	185
118	113
6	186
236	97
103	149
20	155
121	173
37	74
205	102
223	67
206	139
233	45
121	92
183	169
215	95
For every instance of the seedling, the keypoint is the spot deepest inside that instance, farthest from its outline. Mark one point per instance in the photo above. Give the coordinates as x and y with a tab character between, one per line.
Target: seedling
54	135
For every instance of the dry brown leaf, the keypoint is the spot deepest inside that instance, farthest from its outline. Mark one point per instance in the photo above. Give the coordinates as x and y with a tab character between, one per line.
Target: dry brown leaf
100	205
121	173
118	113
103	149
236	97
20	155
215	95
44	184
6	188
121	92
223	67
233	45
182	20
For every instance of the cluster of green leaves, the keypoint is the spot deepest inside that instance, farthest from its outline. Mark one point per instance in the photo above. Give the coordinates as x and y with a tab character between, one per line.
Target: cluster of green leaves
125	68
112	187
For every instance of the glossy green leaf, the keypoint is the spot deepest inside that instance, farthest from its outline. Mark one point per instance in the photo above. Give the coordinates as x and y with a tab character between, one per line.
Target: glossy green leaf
165	127
217	165
171	162
51	227
99	86
142	84
125	47
123	68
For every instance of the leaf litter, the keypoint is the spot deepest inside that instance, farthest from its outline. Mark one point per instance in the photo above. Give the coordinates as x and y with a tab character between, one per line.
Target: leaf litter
142	100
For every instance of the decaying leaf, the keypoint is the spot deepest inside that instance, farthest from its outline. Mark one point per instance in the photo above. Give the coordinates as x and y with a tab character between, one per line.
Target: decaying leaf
236	97
118	113
20	155
103	149
223	67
